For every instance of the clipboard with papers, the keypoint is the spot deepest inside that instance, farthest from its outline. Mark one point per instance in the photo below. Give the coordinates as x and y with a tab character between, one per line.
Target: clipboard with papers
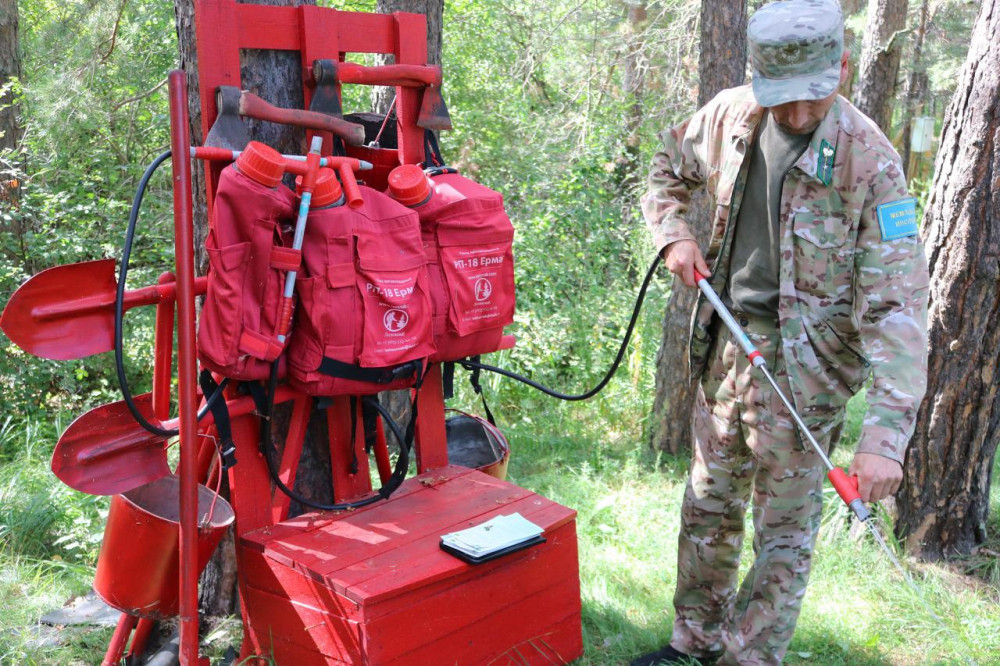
494	538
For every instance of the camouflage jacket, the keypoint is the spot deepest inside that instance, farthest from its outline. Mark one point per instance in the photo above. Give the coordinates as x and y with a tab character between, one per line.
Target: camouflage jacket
853	289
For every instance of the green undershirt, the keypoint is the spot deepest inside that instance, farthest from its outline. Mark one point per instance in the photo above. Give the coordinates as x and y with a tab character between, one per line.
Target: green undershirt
753	264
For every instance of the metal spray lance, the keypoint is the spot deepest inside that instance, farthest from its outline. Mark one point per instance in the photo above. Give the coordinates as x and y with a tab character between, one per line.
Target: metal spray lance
846	486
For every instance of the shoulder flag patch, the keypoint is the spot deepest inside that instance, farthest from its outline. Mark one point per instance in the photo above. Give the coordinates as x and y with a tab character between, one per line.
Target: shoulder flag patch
897	219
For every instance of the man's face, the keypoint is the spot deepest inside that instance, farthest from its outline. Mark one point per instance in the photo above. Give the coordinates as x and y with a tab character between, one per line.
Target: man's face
801	117
805	116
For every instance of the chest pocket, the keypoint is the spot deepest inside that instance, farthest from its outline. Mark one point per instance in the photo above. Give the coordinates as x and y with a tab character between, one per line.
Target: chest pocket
824	256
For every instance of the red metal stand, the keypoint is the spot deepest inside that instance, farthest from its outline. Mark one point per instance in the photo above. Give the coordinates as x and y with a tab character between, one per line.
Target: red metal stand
186	367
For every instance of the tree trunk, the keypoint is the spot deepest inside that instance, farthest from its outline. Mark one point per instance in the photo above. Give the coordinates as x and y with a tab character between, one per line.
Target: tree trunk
915	84
10	126
944	499
382	96
722	65
634	84
880	60
276	77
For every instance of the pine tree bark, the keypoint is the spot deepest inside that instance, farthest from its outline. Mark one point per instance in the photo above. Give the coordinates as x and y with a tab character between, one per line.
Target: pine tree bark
879	67
722	65
10	125
944	499
276	77
634	84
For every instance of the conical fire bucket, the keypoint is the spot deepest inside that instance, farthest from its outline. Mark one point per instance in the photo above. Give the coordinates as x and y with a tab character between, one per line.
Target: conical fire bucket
138	570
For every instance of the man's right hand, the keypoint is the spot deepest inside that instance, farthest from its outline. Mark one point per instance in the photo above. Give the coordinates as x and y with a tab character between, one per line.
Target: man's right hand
682	258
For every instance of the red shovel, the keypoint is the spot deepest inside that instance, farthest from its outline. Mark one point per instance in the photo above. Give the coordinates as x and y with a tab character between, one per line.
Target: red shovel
67	312
106	452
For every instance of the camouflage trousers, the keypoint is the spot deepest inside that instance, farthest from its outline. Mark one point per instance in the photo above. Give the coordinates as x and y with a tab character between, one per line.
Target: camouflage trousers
745	446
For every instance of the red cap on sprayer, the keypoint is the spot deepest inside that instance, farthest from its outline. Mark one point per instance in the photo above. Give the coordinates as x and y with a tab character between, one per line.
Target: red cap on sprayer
261	163
326	191
409	185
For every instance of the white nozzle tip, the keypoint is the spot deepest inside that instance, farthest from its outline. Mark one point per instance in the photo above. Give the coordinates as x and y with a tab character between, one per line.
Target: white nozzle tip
316	145
366	166
193	151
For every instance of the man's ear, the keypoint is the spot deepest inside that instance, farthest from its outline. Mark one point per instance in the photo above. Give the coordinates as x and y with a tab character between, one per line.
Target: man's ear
845	66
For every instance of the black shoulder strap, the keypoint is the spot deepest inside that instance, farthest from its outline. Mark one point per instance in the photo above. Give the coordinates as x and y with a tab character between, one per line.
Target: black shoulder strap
225	444
478	388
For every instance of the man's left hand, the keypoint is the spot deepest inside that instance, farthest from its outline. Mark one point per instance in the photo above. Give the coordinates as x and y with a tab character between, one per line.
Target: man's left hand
878	476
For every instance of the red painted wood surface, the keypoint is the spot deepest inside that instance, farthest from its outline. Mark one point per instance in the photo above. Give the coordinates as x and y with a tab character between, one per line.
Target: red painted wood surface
373	586
296	437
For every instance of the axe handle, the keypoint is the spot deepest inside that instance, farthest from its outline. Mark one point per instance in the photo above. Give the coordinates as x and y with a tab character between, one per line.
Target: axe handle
408	76
253	106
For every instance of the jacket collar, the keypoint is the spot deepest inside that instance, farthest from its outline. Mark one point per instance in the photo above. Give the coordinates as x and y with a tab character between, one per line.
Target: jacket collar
828	131
808	163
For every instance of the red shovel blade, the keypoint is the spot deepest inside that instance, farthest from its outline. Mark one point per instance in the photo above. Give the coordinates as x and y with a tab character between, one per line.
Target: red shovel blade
105	452
65	312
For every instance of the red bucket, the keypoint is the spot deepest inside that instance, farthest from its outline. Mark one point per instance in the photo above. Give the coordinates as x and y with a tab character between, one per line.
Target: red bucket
138	570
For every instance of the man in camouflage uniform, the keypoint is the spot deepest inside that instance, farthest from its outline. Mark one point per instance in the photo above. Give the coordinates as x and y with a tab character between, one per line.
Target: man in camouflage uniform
815	248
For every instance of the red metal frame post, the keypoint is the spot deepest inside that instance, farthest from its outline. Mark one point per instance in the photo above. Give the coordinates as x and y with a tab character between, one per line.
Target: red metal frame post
186	367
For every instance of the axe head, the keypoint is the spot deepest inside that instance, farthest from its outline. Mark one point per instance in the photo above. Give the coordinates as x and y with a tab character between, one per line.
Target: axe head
228	130
433	112
325	98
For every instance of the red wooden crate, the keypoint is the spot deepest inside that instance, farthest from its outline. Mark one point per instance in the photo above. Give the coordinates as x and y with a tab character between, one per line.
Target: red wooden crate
373	586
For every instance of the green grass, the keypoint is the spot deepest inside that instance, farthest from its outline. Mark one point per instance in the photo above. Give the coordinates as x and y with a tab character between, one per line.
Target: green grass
592	458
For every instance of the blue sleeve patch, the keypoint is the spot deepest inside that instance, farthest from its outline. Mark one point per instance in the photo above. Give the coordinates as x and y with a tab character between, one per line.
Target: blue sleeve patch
897	219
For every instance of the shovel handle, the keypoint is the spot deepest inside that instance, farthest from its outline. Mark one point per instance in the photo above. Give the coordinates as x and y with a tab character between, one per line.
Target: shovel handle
253	106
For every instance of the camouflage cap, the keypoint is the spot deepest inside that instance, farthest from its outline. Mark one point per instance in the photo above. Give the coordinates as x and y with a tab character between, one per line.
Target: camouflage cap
795	50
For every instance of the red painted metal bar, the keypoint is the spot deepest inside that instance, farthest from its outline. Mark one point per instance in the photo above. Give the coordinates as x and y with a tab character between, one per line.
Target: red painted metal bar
139	639
163	346
116	648
186	368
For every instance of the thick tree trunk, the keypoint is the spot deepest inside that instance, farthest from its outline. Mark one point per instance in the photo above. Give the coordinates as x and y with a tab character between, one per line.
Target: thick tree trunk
276	77
849	8
915	84
434	11
944	499
880	60
10	125
722	65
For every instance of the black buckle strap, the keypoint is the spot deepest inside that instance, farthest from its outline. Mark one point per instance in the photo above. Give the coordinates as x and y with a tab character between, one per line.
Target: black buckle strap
223	424
386	375
478	388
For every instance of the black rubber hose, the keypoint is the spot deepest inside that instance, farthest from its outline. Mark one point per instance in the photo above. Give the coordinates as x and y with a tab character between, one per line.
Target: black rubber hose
398	474
470	365
120	311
